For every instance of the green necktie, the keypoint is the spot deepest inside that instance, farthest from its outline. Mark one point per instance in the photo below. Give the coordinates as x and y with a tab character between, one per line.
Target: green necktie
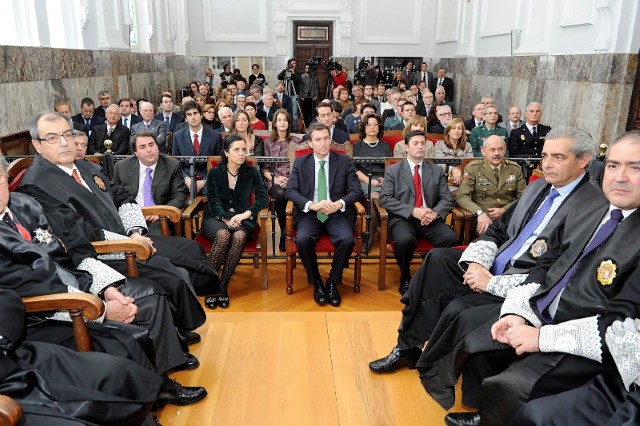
322	189
496	172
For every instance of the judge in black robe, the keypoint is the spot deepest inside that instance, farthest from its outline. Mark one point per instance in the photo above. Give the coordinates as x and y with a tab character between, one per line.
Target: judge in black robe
96	210
58	386
43	266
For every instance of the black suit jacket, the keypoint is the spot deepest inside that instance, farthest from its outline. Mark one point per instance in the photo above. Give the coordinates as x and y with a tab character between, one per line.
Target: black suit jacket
338	136
95	119
447	83
470	124
343	183
167	185
134	119
176	118
119	137
287	102
211	144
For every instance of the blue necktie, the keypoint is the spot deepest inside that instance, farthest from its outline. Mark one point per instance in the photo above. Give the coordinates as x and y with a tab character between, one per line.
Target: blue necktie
601	236
503	258
167	120
147	194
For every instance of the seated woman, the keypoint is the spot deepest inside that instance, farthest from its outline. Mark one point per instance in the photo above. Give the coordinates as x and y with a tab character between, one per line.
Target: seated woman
230	218
454	145
353	120
370	145
256	124
209	116
417	122
199	99
343	99
277	175
240	125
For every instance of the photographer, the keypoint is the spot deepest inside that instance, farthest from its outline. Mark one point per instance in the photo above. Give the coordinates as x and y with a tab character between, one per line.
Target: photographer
339	78
292	79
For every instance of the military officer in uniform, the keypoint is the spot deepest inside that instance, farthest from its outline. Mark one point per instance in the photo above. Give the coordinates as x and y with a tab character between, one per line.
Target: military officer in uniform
527	141
490	185
489	127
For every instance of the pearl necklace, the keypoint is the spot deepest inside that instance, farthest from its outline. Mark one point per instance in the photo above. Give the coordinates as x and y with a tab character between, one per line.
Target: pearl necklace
372	145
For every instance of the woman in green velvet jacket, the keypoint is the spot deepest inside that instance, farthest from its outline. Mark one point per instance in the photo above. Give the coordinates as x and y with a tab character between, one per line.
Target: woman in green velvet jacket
230	217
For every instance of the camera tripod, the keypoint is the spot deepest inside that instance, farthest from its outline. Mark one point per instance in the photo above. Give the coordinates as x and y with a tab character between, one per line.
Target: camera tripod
290	88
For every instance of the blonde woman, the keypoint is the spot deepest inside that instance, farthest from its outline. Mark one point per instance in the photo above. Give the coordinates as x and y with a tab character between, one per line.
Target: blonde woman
241	125
416	122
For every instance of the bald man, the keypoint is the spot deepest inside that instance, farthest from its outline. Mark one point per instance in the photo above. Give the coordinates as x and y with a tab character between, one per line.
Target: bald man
150	125
112	130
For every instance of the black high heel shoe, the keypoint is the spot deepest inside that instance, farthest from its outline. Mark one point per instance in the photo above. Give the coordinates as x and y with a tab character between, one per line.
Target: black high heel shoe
223	298
211	302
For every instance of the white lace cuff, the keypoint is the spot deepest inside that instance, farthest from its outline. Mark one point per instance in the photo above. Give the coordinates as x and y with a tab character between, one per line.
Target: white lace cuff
132	218
481	252
623	342
517	303
579	337
112	236
103	275
64	315
500	285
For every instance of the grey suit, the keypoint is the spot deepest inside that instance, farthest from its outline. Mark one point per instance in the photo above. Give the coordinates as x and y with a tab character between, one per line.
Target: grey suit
398	197
507	125
157	127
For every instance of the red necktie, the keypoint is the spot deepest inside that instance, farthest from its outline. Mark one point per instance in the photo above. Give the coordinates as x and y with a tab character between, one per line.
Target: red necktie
74	175
21	229
417	184
196	144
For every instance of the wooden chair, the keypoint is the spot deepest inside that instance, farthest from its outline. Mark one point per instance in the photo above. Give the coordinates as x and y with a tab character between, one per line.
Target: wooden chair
324	243
457	219
256	247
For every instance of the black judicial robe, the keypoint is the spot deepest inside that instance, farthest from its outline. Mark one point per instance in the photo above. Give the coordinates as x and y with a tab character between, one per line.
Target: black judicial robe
591	292
35	268
66	202
55	385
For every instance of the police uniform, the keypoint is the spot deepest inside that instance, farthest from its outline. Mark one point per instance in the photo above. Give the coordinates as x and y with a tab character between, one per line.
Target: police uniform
481	190
522	144
479	134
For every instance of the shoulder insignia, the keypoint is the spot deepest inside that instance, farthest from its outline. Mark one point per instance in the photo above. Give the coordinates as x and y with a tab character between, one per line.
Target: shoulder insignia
511	162
475	163
538	248
99	182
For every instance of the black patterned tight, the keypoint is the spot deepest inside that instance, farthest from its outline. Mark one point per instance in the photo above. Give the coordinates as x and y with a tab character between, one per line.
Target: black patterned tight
226	251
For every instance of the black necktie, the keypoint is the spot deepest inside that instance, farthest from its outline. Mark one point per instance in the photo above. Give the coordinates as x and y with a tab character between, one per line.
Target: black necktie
535	132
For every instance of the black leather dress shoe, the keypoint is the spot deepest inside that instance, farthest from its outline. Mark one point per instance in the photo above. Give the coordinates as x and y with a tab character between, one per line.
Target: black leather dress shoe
333	296
211	302
191	362
396	360
404	286
319	293
223	302
174	393
191	337
462	419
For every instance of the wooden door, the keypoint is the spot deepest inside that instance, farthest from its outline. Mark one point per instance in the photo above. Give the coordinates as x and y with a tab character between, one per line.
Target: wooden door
633	122
313	38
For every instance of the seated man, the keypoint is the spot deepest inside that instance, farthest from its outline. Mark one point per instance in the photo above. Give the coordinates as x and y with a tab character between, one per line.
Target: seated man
490	186
64	107
45	266
151	125
112	130
527	140
323	186
196	140
127	118
477	118
71	191
324	115
588	278
152	178
443	112
170	118
610	399
488	128
417	210
56	385
520	234
86	116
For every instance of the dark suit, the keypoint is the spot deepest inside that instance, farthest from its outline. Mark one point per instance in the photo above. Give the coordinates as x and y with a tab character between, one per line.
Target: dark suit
436	128
119	137
101	111
167	184
421	108
175	119
337	136
470	124
95	119
426	78
286	102
210	144
447	83
398	197
157	127
133	119
408	77
344	185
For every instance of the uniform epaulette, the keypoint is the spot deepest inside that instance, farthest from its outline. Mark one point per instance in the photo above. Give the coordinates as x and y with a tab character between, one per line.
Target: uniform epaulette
475	163
513	163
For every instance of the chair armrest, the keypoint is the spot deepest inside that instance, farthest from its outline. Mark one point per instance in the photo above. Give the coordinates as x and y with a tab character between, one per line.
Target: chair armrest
360	211
90	305
288	211
174	214
190	211
10	411
140	248
461	222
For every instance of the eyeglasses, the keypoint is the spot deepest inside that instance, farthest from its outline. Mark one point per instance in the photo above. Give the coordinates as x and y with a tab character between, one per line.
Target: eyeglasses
52	138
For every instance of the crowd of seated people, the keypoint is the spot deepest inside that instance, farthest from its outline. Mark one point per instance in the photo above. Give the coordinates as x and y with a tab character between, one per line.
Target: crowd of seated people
514	226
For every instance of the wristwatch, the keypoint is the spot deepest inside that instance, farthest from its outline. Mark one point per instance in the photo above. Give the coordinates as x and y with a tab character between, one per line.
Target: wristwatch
478	213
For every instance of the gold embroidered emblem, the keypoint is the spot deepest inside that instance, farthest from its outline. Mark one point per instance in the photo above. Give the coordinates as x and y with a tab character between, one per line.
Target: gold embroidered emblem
99	182
606	272
538	248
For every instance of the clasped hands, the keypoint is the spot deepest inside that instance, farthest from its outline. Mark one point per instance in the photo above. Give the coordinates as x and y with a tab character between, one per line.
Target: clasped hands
119	308
513	330
236	220
477	277
424	214
326	206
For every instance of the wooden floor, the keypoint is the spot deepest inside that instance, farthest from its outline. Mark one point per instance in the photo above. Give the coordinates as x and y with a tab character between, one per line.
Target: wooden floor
274	359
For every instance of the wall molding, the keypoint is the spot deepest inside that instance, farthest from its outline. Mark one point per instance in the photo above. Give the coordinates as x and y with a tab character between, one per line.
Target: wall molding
413	37
441	35
210	34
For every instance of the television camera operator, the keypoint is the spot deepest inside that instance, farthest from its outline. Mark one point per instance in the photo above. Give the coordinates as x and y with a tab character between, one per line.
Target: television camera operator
292	79
309	89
